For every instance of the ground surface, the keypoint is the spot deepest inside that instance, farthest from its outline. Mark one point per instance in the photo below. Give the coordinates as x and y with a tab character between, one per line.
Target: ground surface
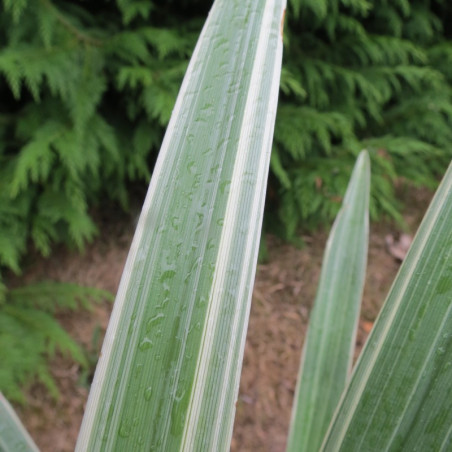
284	291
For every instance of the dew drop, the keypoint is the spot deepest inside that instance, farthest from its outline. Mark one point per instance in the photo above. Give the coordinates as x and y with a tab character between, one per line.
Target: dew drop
210	244
125	429
215	169
147	393
224	186
166	275
196	183
161	229
162	305
145	344
138	370
191	168
201	302
179	396
200	219
206	107
154	321
175	222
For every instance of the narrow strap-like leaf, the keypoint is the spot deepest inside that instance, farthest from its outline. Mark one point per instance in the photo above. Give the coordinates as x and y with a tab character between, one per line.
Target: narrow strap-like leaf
168	376
13	436
400	395
329	346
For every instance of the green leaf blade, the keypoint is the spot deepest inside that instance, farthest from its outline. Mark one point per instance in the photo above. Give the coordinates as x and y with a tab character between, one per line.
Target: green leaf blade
399	396
13	436
169	372
328	351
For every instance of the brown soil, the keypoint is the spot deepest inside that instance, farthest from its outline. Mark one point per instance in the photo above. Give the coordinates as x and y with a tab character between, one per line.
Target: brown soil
283	294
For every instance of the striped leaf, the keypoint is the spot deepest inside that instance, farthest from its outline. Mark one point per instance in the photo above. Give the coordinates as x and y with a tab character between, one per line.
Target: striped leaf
400	395
13	436
329	345
169	370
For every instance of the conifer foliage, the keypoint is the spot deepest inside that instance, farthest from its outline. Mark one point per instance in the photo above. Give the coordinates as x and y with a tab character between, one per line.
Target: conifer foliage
361	74
29	333
88	88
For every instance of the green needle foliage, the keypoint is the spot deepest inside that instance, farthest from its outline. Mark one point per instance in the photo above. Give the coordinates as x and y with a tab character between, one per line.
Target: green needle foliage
85	96
30	335
361	74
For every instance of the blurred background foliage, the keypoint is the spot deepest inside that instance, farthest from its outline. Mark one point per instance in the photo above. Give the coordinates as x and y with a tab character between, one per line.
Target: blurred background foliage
88	87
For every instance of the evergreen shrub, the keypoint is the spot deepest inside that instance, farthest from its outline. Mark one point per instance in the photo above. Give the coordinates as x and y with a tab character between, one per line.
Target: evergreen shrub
88	89
361	74
29	333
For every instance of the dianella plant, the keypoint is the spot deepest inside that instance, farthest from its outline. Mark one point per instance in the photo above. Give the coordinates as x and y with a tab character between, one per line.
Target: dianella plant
13	436
329	345
170	366
399	395
167	378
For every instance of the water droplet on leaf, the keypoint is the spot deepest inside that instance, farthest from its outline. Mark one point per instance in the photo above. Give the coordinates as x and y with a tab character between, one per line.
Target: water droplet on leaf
125	429
148	393
145	344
